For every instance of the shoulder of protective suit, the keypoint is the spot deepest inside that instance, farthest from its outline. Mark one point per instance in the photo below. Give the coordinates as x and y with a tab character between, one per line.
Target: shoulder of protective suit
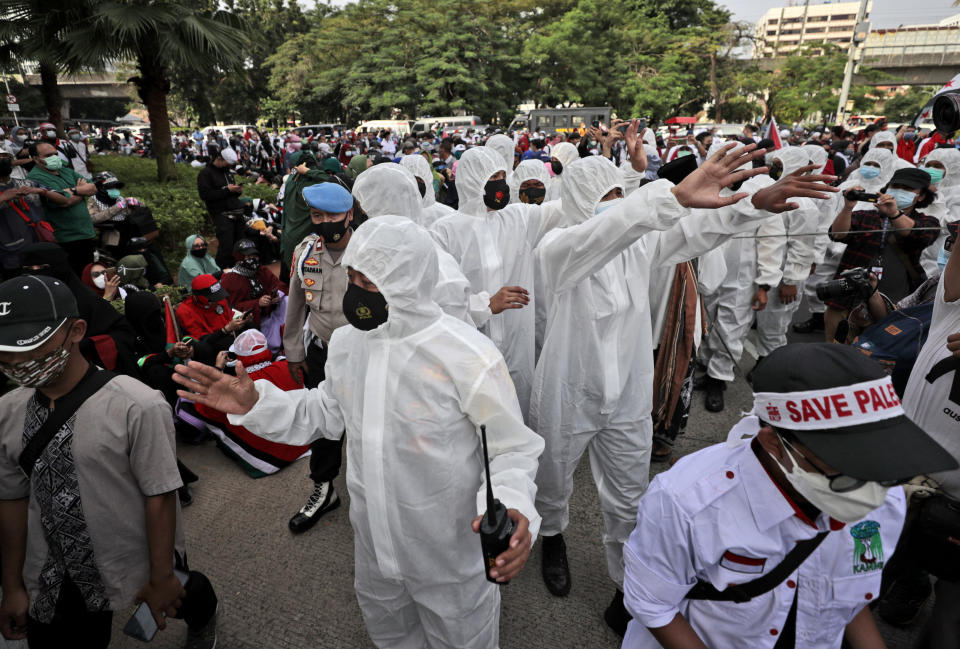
698	480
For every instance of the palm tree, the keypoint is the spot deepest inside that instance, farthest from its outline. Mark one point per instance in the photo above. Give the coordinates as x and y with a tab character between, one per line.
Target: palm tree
157	36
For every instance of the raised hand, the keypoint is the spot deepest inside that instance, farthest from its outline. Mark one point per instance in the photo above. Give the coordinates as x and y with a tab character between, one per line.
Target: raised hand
702	187
635	150
793	185
234	395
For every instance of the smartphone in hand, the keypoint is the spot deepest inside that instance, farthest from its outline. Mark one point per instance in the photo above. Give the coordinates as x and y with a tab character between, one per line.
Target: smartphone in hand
141	624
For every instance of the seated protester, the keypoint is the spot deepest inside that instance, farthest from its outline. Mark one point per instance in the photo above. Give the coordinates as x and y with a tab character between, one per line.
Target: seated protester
109	337
897	234
196	262
253	287
528	182
157	274
93	526
206	311
132	271
257	456
95	277
812	493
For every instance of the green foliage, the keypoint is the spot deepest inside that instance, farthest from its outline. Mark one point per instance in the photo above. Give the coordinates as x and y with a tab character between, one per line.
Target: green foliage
905	106
176	206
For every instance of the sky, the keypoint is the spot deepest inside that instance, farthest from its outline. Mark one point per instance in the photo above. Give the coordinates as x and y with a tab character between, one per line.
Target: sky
885	14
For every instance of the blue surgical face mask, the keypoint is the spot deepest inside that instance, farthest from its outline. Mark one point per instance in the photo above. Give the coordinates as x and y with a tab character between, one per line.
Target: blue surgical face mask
868	172
606	205
942	258
936	175
903	197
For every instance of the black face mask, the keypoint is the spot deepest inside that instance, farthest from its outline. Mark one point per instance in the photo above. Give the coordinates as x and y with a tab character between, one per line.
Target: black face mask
496	194
557	167
422	186
535	195
736	186
776	172
199	252
331	232
6	167
250	263
365	310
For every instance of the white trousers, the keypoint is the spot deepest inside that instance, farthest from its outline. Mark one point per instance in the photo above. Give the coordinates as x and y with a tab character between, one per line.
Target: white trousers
773	321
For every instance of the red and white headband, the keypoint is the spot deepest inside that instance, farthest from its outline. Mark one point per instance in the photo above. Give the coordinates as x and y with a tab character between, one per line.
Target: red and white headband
839	407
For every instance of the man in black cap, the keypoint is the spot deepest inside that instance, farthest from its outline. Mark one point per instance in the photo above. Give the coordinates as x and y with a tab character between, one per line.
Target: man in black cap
783	536
95	528
887	241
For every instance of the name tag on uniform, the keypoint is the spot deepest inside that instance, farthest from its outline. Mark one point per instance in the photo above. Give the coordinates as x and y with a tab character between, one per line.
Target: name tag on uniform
312	265
740	563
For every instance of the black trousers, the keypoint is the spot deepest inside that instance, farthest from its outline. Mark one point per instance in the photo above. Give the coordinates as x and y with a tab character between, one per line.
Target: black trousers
228	232
326	455
76	627
79	253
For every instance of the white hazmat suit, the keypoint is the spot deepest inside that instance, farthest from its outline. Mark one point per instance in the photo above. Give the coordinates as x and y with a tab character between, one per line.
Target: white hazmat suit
566	154
432	210
594	380
412	394
392	189
527	170
504	147
946	207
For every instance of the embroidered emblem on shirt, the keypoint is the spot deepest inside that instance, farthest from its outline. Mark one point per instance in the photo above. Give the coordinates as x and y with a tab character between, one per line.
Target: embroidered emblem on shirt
867	547
309	281
311	262
309	296
740	563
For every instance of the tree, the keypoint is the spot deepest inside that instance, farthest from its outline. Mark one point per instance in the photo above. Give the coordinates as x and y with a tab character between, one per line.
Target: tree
157	37
904	106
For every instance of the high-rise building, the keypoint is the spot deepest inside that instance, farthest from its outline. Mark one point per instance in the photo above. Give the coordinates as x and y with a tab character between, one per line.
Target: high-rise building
783	29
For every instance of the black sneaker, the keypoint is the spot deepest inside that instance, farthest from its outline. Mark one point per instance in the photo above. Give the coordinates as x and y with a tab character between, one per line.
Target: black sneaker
713	400
901	605
204	637
555	570
185	494
813	324
616	615
322	500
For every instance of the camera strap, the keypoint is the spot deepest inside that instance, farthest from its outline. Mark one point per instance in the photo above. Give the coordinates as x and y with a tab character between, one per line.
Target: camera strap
66	406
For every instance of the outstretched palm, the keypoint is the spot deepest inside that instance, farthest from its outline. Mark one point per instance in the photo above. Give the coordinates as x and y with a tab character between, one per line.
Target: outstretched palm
206	385
702	187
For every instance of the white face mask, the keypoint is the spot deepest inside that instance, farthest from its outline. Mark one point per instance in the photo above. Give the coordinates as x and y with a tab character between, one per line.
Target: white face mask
847	507
100	281
606	205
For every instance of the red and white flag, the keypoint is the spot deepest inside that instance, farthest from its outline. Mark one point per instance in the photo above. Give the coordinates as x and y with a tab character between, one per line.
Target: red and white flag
926	113
773	133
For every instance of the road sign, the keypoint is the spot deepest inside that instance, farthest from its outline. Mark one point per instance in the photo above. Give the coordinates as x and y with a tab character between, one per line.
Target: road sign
12	104
11	99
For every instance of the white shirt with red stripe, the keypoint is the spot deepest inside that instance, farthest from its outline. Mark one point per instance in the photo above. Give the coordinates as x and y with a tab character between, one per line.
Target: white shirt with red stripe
717	515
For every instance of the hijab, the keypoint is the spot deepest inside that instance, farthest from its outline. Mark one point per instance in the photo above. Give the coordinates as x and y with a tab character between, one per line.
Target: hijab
192	266
358	164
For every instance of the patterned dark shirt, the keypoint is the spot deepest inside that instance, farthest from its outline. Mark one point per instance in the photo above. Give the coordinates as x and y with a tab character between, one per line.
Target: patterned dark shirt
864	248
57	491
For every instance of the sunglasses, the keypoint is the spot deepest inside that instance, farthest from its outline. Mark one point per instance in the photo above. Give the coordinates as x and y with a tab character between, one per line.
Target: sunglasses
840	482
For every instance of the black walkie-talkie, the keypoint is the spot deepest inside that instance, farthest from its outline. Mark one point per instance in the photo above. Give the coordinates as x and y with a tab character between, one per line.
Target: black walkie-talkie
496	527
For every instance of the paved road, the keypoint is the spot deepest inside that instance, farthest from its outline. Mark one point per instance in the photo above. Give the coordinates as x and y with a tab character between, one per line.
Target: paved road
279	591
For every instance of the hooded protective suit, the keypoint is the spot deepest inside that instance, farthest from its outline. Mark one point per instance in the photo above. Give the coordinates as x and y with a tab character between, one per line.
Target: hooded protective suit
432	210
567	154
729	308
495	249
826	253
792	252
594	378
503	145
946	207
391	189
527	170
412	394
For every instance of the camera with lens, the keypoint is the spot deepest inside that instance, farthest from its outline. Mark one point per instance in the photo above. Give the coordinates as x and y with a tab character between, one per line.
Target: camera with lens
946	112
851	283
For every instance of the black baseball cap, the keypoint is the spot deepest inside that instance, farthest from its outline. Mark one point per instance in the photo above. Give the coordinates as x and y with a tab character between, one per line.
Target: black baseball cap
911	177
888	448
32	309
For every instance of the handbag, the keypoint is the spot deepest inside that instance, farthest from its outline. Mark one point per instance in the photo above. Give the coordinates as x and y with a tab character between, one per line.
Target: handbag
42	230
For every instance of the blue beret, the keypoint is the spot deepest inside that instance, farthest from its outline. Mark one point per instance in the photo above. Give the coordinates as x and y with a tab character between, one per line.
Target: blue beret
329	197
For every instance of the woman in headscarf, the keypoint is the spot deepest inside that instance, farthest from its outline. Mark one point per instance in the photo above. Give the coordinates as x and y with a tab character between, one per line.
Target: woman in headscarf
95	278
196	262
132	271
110	338
358	164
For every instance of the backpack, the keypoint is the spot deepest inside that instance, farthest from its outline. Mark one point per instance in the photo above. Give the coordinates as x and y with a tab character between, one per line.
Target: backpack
895	341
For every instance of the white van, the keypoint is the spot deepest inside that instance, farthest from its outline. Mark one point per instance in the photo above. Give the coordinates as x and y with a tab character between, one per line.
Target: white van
229	129
446	123
398	126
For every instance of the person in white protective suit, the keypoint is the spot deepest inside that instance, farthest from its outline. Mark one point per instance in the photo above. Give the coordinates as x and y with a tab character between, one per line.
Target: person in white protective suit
876	168
792	252
392	189
493	244
888	140
432	210
943	165
411	386
529	182
562	156
593	383
731	308
505	148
